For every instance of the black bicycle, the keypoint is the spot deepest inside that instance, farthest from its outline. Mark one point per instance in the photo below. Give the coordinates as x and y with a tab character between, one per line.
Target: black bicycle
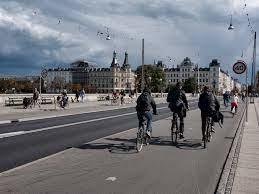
207	137
175	129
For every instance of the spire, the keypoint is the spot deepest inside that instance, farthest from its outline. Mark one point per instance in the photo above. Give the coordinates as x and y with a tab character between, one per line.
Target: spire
126	61
114	60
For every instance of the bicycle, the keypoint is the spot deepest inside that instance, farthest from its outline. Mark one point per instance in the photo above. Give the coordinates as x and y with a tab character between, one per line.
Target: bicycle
141	136
175	129
207	137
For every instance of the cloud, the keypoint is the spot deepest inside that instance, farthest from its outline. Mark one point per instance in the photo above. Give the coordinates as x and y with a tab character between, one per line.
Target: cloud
36	32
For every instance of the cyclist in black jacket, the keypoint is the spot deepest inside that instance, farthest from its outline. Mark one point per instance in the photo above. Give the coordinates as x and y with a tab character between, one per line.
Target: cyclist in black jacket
208	104
178	104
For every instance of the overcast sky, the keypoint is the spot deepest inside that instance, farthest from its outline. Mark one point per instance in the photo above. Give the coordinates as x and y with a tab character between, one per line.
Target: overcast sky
54	32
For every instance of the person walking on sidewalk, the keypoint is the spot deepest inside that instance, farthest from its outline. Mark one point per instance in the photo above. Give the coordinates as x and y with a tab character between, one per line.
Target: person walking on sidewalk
208	104
35	98
82	94
178	104
144	104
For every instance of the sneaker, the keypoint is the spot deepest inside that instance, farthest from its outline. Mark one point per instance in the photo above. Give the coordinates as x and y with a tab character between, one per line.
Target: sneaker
212	130
181	136
148	134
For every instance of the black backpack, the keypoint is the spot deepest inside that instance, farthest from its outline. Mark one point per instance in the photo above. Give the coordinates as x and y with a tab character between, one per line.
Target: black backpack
142	103
218	117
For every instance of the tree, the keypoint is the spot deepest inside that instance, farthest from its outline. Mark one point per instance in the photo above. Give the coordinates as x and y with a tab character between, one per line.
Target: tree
154	78
190	85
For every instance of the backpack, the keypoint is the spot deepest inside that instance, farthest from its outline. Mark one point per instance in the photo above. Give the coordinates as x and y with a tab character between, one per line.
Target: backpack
142	103
176	102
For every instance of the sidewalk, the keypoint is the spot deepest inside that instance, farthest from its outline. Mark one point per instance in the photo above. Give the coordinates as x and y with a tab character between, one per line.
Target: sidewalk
246	179
9	114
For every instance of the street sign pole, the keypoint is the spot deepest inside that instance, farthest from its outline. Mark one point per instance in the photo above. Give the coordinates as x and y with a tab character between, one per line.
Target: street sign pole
241	67
40	86
246	94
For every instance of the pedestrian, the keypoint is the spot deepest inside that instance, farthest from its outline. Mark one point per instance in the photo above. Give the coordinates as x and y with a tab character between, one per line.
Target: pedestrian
35	98
226	99
122	95
82	94
77	95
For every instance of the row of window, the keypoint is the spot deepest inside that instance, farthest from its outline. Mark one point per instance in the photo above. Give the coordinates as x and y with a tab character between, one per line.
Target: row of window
183	80
188	75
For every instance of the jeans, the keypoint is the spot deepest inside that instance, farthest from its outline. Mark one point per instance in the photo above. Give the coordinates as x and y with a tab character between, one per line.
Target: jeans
148	116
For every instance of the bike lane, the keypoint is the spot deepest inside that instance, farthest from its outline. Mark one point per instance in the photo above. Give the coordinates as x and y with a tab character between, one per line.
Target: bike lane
111	164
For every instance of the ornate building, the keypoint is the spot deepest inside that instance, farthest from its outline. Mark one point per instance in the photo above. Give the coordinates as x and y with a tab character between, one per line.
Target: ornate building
115	78
212	76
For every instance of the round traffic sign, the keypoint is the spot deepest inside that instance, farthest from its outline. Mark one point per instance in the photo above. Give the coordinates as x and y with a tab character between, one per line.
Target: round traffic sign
44	73
239	67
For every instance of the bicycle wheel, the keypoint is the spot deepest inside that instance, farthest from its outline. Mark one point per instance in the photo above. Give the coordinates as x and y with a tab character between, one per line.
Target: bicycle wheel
174	131
140	139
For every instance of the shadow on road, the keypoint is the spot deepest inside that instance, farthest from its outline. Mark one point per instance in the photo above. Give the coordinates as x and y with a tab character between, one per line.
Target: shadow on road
118	148
186	144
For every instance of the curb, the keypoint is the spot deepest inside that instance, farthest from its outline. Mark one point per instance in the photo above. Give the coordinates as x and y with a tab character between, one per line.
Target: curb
227	176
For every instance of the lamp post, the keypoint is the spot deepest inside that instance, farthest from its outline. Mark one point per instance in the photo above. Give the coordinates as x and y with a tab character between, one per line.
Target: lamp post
149	78
161	80
135	76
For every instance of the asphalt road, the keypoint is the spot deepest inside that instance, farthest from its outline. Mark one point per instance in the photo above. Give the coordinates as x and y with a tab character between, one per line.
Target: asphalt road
64	132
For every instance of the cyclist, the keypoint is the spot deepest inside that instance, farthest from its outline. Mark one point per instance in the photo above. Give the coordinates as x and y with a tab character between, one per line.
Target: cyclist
234	102
208	104
144	104
178	104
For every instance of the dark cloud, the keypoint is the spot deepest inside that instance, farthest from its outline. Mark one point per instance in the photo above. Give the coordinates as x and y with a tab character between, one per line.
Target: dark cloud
170	28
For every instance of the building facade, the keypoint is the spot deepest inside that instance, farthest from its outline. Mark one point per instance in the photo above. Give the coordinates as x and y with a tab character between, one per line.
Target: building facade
103	80
114	78
212	76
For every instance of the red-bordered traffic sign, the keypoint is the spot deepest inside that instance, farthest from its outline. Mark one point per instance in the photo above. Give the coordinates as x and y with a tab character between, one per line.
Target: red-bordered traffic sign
239	67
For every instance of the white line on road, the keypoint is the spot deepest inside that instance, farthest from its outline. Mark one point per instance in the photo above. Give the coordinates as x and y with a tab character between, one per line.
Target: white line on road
6	135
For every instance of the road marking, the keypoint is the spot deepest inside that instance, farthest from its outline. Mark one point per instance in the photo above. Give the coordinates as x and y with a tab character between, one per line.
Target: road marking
4	135
70	124
111	179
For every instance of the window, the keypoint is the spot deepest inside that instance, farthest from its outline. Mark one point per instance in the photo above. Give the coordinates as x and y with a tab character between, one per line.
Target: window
182	80
200	80
203	80
207	80
174	80
214	74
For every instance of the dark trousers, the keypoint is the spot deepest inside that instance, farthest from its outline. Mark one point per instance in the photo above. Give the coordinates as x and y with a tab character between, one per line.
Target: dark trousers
181	117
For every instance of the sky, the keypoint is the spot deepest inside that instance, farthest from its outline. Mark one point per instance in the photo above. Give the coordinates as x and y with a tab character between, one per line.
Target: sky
52	33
